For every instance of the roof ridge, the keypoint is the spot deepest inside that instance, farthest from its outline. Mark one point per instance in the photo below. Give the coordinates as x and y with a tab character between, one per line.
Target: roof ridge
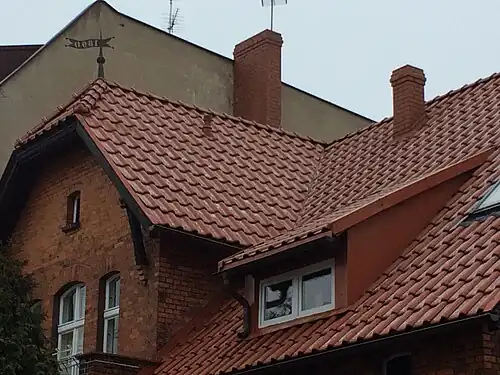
300	216
223	115
428	103
467	86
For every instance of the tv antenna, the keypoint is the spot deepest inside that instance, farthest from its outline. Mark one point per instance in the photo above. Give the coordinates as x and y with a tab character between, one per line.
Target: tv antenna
173	17
272	4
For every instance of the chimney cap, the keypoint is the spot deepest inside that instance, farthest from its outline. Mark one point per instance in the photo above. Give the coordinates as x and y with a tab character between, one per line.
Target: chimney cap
408	72
267	35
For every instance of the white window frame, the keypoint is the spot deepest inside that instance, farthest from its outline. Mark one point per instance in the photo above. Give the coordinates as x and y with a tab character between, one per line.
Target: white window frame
296	277
113	312
74	326
489	199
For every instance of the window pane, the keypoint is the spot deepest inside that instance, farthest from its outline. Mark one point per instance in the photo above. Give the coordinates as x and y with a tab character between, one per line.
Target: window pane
317	289
492	199
76	209
112	335
278	300
66	345
81	312
68	307
113	293
79	341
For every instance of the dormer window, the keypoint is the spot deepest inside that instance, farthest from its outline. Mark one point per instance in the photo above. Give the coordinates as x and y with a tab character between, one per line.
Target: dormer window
73	212
295	294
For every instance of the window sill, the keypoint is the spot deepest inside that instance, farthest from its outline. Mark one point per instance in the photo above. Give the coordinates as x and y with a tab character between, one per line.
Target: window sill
69	228
298	321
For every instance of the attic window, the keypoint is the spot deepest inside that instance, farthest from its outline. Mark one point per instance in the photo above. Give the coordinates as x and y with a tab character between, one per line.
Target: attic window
490	203
295	294
73	212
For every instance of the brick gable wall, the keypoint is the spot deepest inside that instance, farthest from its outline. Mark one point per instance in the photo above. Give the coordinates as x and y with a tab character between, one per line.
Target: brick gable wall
102	245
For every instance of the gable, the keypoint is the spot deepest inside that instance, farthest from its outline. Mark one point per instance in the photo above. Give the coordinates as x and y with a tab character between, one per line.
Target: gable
40	231
155	62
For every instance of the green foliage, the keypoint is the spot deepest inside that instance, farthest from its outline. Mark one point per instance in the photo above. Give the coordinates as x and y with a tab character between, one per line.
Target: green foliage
23	346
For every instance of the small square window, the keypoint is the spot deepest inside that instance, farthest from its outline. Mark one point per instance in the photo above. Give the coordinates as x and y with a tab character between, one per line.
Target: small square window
299	293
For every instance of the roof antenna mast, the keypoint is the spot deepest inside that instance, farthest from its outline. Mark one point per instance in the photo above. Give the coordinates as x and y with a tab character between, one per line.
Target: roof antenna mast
173	17
272	4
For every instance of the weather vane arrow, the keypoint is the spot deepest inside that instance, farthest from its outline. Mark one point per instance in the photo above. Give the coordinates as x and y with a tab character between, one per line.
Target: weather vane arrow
93	43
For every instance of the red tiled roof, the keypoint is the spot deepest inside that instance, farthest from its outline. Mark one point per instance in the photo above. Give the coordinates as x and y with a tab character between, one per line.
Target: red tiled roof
449	272
243	183
13	56
250	182
347	216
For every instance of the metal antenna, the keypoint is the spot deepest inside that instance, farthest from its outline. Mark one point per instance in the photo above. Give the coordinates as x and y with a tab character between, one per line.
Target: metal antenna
173	18
272	4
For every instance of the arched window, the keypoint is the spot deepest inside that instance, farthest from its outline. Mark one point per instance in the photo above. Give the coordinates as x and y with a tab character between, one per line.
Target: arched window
111	314
70	328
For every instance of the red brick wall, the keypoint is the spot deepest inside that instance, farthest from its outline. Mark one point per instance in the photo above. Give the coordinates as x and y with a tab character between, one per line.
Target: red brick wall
102	245
186	282
257	78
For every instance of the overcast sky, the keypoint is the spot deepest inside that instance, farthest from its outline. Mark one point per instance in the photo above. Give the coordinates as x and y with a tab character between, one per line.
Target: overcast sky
340	50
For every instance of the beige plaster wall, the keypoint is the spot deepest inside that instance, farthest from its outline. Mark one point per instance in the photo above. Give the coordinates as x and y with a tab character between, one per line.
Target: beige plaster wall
312	116
142	57
149	60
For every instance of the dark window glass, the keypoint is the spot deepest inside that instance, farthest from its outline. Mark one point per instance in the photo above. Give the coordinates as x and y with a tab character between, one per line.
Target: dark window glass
73	216
278	300
399	366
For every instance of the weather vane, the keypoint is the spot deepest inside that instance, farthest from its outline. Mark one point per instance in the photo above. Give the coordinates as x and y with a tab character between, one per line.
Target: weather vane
93	43
272	4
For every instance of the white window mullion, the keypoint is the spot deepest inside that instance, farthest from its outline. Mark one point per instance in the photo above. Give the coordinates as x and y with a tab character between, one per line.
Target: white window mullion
296	297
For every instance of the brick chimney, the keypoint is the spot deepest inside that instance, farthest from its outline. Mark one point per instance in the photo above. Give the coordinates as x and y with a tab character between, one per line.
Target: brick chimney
408	100
257	78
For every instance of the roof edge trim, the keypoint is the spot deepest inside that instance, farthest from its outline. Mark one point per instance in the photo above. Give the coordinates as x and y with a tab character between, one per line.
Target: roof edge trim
341	348
410	190
223	267
123	190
